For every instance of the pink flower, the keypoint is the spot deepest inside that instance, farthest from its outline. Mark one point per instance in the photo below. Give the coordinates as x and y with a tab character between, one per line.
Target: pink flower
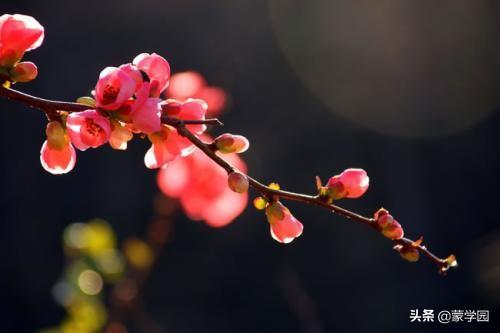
191	84
167	144
201	186
146	115
191	109
18	34
88	129
134	73
120	135
352	183
57	155
284	226
114	88
157	69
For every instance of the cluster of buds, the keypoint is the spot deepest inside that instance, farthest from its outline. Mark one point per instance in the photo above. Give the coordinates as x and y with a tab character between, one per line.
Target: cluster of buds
18	34
387	225
351	183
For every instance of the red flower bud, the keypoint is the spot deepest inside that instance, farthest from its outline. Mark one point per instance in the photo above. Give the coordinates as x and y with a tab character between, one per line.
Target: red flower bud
409	253
284	226
237	182
229	143
393	231
23	72
352	183
385	220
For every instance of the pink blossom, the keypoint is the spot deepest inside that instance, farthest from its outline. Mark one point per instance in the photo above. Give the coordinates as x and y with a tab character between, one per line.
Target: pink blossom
134	73
284	226
201	186
57	155
88	129
191	109
18	34
114	87
120	135
352	183
157	69
146	115
167	144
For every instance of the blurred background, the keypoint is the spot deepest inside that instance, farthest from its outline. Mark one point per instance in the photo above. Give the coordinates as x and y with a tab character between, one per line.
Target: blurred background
408	91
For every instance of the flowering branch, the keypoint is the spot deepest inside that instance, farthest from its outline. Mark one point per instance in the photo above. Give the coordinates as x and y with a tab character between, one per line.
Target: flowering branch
53	108
50	106
272	193
126	101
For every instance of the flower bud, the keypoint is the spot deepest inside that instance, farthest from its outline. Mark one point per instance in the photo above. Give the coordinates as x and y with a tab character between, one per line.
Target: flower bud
393	231
275	211
284	226
379	213
86	100
229	143
385	220
237	182
351	183
56	135
335	188
23	72
409	253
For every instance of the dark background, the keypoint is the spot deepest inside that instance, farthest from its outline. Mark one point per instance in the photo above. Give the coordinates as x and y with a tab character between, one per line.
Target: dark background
437	174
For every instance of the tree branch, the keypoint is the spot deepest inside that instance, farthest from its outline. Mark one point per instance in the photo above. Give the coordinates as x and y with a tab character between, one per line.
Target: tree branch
49	106
52	108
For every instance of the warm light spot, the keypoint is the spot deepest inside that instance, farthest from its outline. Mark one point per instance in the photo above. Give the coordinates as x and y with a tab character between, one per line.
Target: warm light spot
74	236
138	253
110	262
90	282
99	236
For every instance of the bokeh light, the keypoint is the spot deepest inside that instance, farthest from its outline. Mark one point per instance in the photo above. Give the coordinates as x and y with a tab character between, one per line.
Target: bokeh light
90	282
413	69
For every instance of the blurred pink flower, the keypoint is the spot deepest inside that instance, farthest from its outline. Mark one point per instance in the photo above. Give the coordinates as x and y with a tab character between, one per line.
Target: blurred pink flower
202	189
191	84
